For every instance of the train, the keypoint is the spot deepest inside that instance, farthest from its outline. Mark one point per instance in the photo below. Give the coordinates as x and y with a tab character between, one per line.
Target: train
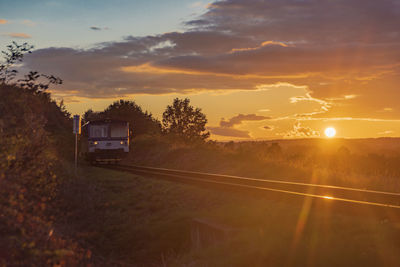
105	141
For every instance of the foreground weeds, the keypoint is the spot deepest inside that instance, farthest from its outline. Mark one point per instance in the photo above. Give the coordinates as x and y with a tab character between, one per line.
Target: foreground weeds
30	179
138	221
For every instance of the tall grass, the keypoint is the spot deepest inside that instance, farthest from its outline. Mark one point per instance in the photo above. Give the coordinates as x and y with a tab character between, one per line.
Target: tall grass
368	163
140	221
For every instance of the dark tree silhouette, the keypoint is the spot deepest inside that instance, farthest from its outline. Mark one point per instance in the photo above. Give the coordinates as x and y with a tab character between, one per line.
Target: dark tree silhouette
13	54
33	81
183	120
91	115
140	122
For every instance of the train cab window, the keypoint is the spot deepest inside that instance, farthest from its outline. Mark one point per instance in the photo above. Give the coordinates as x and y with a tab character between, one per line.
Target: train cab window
98	131
119	130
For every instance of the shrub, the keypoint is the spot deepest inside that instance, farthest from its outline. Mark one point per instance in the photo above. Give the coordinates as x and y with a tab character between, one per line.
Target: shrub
28	182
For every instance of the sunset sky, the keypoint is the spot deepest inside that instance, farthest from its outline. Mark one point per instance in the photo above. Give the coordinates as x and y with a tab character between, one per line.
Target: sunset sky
259	69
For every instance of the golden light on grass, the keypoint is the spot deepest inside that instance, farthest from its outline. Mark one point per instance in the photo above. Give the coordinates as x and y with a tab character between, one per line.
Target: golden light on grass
330	132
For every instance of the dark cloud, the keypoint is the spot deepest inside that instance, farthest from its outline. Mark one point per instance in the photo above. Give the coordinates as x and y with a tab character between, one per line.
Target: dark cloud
229	132
275	60
226	126
238	119
317	21
94	28
98	73
204	42
197	22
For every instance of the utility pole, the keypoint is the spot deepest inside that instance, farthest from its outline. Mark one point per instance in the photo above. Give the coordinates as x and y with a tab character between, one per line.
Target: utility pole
76	131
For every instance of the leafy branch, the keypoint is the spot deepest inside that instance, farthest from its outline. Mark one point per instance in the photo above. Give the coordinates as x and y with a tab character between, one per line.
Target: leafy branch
30	81
33	81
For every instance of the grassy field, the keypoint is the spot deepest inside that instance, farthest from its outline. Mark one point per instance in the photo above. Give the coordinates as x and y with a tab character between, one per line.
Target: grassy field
134	220
361	163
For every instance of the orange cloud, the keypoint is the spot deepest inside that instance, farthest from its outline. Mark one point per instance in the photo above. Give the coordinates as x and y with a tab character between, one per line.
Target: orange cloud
255	48
148	68
3	21
301	131
386	132
19	35
28	22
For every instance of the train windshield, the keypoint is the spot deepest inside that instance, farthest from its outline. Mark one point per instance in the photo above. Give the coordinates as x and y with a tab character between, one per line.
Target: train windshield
99	130
119	130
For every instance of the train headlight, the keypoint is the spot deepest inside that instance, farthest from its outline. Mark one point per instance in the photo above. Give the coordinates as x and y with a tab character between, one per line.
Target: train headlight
122	142
95	142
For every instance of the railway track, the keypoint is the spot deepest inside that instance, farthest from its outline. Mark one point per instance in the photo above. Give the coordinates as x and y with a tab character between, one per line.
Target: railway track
352	196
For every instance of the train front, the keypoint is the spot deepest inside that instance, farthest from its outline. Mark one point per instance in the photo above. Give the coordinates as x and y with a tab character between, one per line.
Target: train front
108	140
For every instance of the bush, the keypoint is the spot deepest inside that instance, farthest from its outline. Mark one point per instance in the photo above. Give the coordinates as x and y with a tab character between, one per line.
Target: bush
28	181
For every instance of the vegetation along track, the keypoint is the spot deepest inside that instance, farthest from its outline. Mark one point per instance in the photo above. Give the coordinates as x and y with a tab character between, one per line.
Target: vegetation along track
386	204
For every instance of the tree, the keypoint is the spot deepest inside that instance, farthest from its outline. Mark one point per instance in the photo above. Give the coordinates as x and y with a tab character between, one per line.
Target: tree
91	115
33	81
140	122
13	54
183	120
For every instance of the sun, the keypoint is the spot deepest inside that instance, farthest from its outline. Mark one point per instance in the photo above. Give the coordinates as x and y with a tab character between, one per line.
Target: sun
330	132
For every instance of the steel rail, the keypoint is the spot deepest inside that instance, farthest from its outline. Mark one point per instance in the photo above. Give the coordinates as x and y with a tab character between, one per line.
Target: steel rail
333	193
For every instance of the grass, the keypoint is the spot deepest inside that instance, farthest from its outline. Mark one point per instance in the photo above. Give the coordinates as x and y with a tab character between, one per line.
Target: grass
361	163
136	220
147	222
